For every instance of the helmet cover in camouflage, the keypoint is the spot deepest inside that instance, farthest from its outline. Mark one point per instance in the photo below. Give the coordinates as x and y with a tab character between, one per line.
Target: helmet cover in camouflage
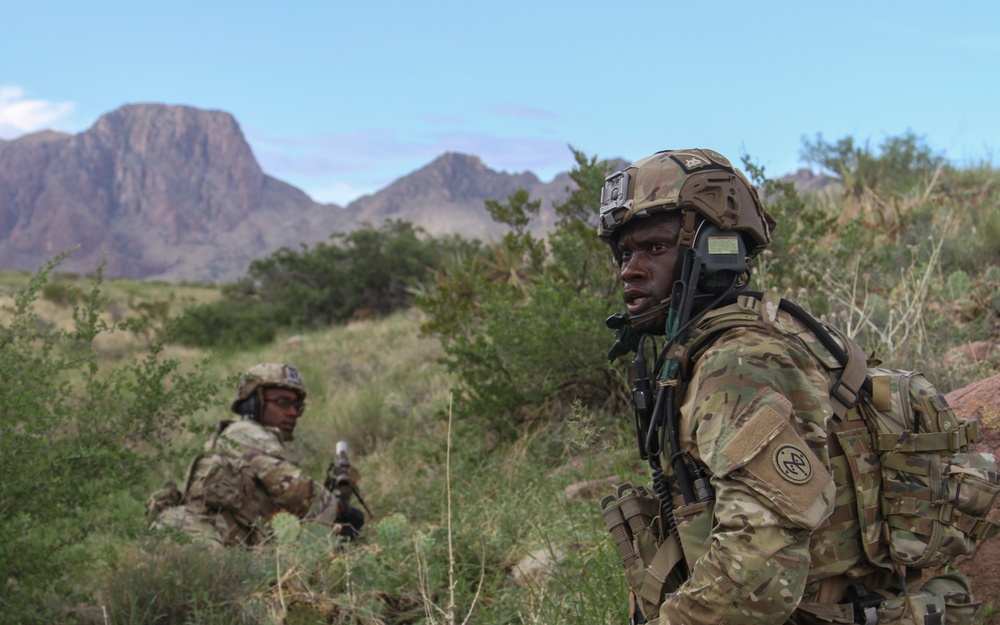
697	182
267	375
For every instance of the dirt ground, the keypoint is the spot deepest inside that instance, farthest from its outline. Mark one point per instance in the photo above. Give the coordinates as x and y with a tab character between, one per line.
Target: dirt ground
981	401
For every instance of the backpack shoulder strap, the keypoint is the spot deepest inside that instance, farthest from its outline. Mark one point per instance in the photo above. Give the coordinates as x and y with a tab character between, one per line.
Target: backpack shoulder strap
760	309
209	449
744	312
846	391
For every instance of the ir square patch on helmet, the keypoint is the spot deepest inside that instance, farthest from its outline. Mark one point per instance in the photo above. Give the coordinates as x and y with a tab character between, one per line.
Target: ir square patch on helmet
292	375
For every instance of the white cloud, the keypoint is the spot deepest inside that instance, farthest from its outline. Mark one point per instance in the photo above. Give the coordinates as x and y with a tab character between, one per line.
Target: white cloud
335	192
340	167
19	116
374	158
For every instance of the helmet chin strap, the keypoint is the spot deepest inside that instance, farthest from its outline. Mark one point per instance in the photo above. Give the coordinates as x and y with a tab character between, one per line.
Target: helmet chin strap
654	313
689	227
688	233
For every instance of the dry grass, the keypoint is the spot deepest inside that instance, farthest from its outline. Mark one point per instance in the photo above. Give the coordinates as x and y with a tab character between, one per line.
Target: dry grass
126	299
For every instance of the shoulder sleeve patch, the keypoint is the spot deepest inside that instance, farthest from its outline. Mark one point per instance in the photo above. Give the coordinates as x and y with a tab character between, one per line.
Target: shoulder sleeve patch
765	453
792	464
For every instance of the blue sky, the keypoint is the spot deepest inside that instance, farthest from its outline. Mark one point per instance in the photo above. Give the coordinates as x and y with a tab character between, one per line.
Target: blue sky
342	98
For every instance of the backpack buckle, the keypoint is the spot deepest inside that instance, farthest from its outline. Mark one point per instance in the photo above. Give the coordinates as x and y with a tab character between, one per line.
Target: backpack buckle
844	394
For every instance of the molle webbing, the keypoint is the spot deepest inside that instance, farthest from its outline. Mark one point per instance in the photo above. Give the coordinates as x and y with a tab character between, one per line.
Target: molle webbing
627	515
936	492
650	557
908	442
639	512
618	526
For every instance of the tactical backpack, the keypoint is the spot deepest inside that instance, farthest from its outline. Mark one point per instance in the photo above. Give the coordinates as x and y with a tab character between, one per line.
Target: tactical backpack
936	493
220	482
928	493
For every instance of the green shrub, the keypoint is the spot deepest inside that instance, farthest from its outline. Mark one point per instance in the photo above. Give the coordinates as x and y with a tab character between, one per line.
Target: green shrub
226	325
541	351
366	271
899	163
174	583
521	325
61	292
74	435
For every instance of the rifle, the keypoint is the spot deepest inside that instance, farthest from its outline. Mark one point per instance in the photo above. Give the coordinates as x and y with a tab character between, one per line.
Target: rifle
341	477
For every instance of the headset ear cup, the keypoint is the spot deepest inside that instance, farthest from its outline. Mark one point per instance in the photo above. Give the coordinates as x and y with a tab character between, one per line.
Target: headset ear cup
250	407
722	256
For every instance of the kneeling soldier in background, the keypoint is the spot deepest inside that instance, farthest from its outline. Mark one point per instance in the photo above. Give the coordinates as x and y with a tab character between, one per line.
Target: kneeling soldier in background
246	474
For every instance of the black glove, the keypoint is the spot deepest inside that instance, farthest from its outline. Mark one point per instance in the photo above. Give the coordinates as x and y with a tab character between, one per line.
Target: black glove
351	521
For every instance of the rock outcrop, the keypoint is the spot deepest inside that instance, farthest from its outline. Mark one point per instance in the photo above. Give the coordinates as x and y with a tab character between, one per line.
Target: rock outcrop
161	192
174	193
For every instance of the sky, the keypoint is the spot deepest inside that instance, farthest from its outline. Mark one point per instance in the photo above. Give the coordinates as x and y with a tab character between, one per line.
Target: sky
342	98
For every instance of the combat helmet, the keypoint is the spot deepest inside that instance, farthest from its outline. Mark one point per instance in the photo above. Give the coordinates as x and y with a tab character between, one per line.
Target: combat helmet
695	182
265	375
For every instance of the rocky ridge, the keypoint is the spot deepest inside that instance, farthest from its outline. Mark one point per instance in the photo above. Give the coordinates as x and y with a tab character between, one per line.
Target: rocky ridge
160	192
174	193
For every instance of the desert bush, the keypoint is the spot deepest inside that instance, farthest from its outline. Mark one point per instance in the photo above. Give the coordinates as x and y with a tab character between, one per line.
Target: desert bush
967	213
368	269
869	175
910	284
519	322
61	292
72	436
532	358
226	325
177	583
805	226
365	268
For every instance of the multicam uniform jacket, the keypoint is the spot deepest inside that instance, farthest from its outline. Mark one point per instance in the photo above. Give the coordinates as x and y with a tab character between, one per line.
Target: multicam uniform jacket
244	476
781	542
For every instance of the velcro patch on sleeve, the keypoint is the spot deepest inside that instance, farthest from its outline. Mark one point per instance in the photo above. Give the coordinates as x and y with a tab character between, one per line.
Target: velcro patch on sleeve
766	454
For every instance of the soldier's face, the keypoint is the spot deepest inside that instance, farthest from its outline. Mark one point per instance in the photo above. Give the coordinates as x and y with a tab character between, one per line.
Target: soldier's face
280	410
649	258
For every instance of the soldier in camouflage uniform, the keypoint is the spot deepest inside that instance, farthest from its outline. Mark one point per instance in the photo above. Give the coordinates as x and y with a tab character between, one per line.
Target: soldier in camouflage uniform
246	474
765	524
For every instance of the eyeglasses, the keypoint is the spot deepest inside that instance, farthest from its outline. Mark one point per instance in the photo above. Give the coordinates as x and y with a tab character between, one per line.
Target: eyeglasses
284	403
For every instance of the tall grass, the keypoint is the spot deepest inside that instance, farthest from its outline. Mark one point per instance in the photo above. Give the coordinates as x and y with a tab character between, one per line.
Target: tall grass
379	386
460	512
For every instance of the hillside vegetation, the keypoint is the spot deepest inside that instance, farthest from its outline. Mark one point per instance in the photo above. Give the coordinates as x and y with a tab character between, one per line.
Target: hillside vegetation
469	380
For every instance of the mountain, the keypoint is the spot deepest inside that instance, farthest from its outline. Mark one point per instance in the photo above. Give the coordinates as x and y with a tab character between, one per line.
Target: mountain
447	196
174	193
163	192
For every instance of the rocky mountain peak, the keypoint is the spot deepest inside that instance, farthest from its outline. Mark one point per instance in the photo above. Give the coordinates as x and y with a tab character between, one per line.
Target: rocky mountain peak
444	196
177	160
166	192
144	187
